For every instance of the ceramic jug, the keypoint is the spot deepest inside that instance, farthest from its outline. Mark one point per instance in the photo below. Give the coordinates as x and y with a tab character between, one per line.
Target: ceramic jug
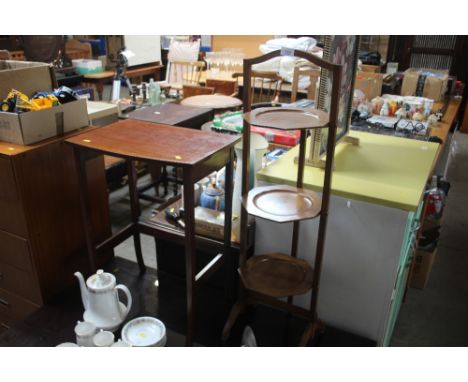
101	300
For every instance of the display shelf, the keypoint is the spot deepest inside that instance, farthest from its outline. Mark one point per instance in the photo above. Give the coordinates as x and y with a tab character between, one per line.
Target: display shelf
277	275
287	118
282	204
267	277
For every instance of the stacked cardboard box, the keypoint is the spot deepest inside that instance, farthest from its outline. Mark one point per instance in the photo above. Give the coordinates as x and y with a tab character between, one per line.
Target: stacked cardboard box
31	127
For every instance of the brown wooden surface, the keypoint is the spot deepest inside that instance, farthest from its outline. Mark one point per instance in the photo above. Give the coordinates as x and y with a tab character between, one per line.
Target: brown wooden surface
308	71
99	79
14	251
14	308
41	236
23	283
47	181
171	114
160	143
214	101
443	127
263	279
11	149
226	87
12	218
464	125
194	90
199	153
284	118
277	275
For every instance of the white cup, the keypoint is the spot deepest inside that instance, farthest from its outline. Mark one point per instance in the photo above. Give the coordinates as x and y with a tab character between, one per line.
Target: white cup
121	344
103	339
67	345
85	332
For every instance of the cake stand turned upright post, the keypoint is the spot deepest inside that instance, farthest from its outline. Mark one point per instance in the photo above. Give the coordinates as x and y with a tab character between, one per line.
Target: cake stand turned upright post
267	278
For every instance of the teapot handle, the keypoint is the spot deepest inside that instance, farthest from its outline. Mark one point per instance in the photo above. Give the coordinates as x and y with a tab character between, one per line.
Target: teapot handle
129	299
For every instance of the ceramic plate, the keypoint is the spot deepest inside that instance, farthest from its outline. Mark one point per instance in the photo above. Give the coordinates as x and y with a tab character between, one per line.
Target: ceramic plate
144	331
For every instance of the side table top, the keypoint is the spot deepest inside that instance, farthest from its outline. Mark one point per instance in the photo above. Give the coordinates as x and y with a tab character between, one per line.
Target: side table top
169	113
136	139
214	101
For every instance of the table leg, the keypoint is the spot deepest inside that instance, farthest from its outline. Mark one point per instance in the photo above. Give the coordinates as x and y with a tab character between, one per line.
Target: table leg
100	89
80	163
228	186
156	176
190	257
135	207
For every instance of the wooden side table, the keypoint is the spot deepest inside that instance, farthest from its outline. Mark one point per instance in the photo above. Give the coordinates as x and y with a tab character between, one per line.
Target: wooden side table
197	153
102	78
168	114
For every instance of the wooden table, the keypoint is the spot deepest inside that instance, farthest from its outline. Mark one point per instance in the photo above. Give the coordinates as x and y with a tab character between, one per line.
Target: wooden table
197	153
168	114
172	114
100	79
213	101
443	127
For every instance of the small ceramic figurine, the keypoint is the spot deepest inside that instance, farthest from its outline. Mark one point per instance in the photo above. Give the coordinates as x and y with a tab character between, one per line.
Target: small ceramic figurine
432	120
401	113
418	117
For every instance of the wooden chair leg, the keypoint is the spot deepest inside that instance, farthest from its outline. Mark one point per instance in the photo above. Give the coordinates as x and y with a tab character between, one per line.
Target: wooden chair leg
165	180
136	212
236	311
312	329
138	252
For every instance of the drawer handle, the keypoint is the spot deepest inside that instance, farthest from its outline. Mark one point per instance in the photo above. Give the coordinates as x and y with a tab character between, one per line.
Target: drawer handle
3	302
4	326
416	227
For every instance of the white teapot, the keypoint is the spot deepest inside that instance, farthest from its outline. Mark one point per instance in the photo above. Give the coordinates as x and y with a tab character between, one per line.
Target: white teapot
101	300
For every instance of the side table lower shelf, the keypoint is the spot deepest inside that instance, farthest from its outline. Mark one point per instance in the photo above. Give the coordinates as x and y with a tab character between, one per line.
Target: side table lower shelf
170	251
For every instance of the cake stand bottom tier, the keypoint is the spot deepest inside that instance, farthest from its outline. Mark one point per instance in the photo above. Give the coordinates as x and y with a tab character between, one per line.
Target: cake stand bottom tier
277	275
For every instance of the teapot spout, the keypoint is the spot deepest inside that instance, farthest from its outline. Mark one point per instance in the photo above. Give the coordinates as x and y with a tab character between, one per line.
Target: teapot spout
84	290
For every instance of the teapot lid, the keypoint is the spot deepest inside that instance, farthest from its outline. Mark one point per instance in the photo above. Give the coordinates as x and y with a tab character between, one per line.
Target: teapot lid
101	281
212	190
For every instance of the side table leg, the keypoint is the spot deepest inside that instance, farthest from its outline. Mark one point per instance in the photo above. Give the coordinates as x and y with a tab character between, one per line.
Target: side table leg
135	207
190	257
80	163
100	89
228	186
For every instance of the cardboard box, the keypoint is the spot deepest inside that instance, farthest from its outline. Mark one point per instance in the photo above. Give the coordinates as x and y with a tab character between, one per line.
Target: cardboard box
31	127
417	82
369	83
27	77
370	68
34	126
209	223
422	268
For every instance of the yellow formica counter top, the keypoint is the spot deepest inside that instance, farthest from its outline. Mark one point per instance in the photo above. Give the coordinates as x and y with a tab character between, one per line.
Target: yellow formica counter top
383	170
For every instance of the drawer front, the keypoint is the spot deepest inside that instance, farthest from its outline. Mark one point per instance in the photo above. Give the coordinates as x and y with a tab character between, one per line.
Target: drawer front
11	217
14	251
15	308
6	322
19	282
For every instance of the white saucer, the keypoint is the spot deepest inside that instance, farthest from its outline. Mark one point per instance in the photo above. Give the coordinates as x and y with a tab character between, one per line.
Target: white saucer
144	331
